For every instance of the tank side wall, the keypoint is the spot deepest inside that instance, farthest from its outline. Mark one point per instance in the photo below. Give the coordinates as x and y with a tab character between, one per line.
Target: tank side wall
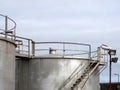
93	82
47	74
22	75
43	74
7	65
50	74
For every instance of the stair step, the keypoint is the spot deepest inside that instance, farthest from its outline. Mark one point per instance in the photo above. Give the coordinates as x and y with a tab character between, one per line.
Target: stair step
77	82
79	79
74	84
82	76
72	88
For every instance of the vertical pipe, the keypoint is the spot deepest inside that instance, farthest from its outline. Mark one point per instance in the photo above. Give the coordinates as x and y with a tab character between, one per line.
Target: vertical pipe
6	26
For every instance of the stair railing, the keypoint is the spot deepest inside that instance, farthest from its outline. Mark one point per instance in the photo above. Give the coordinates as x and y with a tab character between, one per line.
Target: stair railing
72	76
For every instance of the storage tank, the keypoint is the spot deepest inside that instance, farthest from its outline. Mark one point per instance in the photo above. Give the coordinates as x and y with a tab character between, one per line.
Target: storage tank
7	65
56	71
45	73
7	53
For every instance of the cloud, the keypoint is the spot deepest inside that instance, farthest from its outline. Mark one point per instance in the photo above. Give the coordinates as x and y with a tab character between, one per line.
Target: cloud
73	20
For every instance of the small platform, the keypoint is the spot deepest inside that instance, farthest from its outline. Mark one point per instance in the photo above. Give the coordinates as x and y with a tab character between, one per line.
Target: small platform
102	63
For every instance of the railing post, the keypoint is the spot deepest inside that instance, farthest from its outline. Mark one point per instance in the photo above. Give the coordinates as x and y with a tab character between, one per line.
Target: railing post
28	47
98	54
63	49
6	27
89	52
33	48
14	34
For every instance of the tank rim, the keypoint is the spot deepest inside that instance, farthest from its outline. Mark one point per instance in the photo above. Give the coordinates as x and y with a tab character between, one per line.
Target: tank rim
7	40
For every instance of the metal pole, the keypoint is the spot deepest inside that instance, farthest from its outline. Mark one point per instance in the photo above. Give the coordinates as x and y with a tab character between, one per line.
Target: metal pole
110	71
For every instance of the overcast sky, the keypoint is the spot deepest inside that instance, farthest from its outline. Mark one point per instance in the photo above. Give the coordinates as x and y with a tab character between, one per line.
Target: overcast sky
94	22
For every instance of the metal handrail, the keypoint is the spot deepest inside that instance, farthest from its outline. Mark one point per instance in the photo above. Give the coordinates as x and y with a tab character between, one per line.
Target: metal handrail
10	20
7	31
26	43
64	49
31	45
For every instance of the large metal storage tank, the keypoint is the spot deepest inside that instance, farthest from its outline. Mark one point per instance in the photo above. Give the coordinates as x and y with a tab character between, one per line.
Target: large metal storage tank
7	64
45	73
50	71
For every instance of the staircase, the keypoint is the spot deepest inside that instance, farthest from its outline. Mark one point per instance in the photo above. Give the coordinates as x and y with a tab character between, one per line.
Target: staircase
85	75
78	78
